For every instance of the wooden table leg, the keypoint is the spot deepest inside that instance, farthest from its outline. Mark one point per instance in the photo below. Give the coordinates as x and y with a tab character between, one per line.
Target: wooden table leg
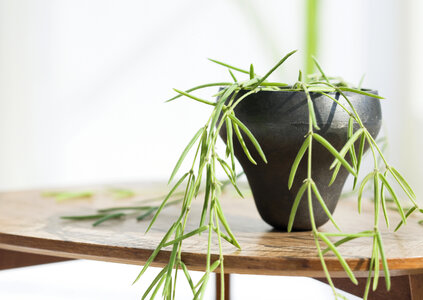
406	287
219	287
13	259
416	286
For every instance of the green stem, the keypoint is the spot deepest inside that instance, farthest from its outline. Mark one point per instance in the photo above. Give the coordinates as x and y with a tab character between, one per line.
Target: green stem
311	35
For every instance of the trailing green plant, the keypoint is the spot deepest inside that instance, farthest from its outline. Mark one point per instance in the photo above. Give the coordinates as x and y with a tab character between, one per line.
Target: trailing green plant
206	161
201	179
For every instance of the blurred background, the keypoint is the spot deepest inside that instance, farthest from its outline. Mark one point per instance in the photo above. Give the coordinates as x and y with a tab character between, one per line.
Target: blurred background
83	83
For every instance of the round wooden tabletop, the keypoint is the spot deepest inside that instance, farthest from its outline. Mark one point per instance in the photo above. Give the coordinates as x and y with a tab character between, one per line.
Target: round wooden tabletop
30	222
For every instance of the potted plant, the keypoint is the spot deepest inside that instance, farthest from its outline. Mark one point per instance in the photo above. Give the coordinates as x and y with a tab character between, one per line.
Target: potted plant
297	144
279	120
321	129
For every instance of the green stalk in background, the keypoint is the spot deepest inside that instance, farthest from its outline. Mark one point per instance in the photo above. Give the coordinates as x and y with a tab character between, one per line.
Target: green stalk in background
311	42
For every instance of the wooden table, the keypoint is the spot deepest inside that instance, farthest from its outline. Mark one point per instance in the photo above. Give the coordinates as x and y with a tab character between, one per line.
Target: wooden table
30	226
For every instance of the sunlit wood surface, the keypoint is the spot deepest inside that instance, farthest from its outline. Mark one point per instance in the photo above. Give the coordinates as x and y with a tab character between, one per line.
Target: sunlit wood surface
31	223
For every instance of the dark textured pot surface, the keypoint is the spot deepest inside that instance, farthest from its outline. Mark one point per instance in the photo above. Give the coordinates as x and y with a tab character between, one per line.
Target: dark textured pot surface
279	121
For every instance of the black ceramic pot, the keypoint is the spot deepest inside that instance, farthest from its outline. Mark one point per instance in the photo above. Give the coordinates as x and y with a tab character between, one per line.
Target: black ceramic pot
279	121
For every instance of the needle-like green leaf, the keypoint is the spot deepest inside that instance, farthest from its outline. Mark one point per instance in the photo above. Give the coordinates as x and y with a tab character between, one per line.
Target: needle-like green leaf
220	93
190	282
108	217
197	184
172	261
333	99
320	69
166	199
207	195
310	104
348	145
365	233
384	262
349	237
232	75
357	91
156	251
369	278
297	160
84	217
376	197
185	152
323	204
243	145
221	103
383	201
352	149
154	282
204	278
335	174
194	97
394	196
333	151
407	214
201	87
250	84
200	292
250	136
146	214
325	268
231	176
376	271
204	146
230	142
339	256
294	208
359	157
229	66
224	236
106	210
156	290
229	172
251	71
189	192
403	183
225	225
300	76
187	235
275	67
361	189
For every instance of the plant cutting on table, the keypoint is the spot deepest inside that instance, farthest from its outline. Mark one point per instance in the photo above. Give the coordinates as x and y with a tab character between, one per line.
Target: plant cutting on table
304	192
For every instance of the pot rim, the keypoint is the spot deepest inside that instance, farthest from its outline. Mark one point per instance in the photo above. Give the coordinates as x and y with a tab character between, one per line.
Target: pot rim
370	91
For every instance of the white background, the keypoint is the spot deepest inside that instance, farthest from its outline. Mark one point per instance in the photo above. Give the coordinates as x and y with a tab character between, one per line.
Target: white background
82	83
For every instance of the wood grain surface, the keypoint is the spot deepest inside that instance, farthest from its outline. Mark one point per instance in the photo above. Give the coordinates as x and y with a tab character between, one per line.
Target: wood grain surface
31	223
